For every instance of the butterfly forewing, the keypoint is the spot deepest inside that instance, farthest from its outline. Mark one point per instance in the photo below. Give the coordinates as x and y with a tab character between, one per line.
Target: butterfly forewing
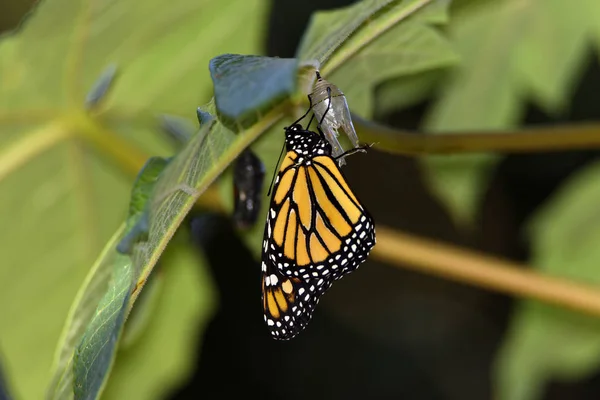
316	221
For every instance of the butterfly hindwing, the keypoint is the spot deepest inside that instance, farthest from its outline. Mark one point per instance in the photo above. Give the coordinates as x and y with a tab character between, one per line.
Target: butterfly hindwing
289	302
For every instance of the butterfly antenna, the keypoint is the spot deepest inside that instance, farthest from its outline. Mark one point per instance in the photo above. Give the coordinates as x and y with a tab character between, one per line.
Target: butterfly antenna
275	171
307	111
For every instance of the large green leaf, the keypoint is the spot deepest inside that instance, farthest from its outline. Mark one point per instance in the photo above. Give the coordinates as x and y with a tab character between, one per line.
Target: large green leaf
178	187
103	277
83	310
406	91
512	51
199	163
61	193
143	312
136	225
159	356
410	47
544	342
94	355
246	84
350	28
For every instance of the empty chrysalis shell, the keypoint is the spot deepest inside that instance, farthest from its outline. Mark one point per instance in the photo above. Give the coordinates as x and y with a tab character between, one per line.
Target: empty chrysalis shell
337	120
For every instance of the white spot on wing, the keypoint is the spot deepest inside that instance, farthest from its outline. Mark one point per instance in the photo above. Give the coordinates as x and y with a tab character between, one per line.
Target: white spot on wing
273	279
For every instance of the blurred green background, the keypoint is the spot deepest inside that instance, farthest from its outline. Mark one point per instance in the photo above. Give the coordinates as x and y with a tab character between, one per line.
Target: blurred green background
383	332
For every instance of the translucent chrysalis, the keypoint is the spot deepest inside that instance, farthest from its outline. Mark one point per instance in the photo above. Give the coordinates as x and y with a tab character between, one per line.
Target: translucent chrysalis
337	120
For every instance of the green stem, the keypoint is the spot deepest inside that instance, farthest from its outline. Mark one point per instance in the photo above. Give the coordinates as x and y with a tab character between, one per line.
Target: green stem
526	140
127	156
480	270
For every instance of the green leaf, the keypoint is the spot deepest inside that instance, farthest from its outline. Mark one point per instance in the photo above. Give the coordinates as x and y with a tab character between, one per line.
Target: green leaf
405	91
57	218
136	225
506	51
82	311
544	342
512	51
65	170
142	313
94	355
178	187
330	31
101	87
164	353
246	84
408	48
180	130
199	163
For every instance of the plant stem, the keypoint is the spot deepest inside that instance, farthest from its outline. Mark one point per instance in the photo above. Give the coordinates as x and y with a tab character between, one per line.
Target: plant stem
26	148
131	159
127	156
465	266
527	140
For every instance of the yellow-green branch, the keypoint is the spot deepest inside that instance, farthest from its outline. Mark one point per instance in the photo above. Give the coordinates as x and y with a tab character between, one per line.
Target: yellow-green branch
526	140
465	266
129	157
26	148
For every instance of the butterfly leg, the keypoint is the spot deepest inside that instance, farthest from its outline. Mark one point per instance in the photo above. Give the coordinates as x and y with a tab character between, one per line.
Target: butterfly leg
361	149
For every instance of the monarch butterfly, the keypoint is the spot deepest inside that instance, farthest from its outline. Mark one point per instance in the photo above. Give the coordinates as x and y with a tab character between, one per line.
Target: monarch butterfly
316	232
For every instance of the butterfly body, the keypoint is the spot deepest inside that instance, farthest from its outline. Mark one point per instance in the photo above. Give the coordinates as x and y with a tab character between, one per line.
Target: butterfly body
317	231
